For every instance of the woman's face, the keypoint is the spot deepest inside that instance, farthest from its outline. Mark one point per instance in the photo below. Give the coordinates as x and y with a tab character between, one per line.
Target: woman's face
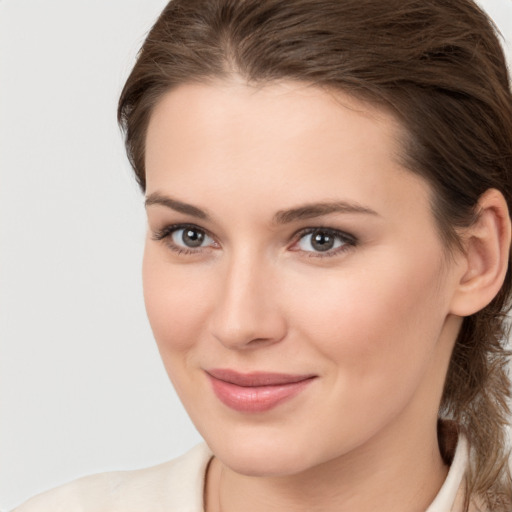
294	279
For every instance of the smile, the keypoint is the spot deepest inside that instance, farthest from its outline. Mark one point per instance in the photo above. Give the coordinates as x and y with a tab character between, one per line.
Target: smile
258	391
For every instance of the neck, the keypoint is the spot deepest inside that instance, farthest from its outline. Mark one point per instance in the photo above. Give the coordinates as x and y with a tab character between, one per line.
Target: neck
389	477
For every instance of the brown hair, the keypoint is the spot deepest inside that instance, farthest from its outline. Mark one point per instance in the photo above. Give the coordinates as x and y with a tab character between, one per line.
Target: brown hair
439	66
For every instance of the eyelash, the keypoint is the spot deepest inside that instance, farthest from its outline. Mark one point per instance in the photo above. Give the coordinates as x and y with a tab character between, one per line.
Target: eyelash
348	241
165	235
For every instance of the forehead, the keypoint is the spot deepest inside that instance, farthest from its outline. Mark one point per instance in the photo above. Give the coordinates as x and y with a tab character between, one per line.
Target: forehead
282	140
290	110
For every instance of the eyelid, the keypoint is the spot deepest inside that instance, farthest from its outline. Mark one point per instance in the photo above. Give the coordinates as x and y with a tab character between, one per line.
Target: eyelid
165	234
169	229
334	231
347	237
349	241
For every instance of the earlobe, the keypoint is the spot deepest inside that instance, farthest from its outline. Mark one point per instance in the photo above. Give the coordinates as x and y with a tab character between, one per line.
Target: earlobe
486	255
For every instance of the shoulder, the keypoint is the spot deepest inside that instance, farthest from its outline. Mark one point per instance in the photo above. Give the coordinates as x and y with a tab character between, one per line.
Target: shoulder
177	483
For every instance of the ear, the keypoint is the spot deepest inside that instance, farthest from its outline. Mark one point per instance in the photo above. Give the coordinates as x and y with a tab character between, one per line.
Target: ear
485	259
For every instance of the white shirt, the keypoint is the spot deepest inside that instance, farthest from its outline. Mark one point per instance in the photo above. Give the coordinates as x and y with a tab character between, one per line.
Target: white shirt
178	486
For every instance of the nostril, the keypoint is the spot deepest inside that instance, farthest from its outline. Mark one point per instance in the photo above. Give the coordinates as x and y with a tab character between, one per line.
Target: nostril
268	332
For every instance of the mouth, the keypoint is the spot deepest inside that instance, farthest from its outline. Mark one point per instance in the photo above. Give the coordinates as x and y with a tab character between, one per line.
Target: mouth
256	391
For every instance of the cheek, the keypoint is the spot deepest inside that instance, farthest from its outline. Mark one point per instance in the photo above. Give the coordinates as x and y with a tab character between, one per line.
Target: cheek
376	325
176	298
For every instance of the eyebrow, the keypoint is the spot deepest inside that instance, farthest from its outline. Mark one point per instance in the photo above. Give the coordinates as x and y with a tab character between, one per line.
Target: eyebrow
176	205
312	210
306	211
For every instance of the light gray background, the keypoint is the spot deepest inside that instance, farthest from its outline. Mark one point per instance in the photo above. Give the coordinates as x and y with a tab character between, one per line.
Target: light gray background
82	389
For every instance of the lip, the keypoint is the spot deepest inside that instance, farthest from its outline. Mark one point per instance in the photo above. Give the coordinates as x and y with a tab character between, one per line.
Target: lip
256	391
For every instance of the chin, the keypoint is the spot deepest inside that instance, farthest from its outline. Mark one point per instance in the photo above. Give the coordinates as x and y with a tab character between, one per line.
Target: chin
265	454
271	463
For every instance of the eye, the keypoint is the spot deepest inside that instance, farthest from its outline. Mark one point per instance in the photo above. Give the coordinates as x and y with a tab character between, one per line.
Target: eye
191	237
323	240
185	238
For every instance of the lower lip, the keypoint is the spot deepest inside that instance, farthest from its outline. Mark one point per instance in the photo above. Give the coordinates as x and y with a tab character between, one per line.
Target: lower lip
256	398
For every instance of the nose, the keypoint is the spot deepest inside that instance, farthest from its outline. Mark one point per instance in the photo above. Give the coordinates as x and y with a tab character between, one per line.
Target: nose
247	313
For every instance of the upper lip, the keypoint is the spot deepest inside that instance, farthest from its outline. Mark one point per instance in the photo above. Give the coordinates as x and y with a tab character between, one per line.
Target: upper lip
256	379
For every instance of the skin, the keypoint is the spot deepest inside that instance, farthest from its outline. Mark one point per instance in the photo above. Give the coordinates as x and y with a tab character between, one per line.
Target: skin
374	319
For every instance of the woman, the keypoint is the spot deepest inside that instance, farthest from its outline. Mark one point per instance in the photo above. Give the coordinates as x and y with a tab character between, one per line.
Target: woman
327	188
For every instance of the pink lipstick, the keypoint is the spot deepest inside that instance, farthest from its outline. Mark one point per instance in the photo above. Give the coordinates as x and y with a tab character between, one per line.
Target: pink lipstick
256	391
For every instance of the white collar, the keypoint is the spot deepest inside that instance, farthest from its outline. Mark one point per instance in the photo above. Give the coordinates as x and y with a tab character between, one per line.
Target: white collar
447	495
443	502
